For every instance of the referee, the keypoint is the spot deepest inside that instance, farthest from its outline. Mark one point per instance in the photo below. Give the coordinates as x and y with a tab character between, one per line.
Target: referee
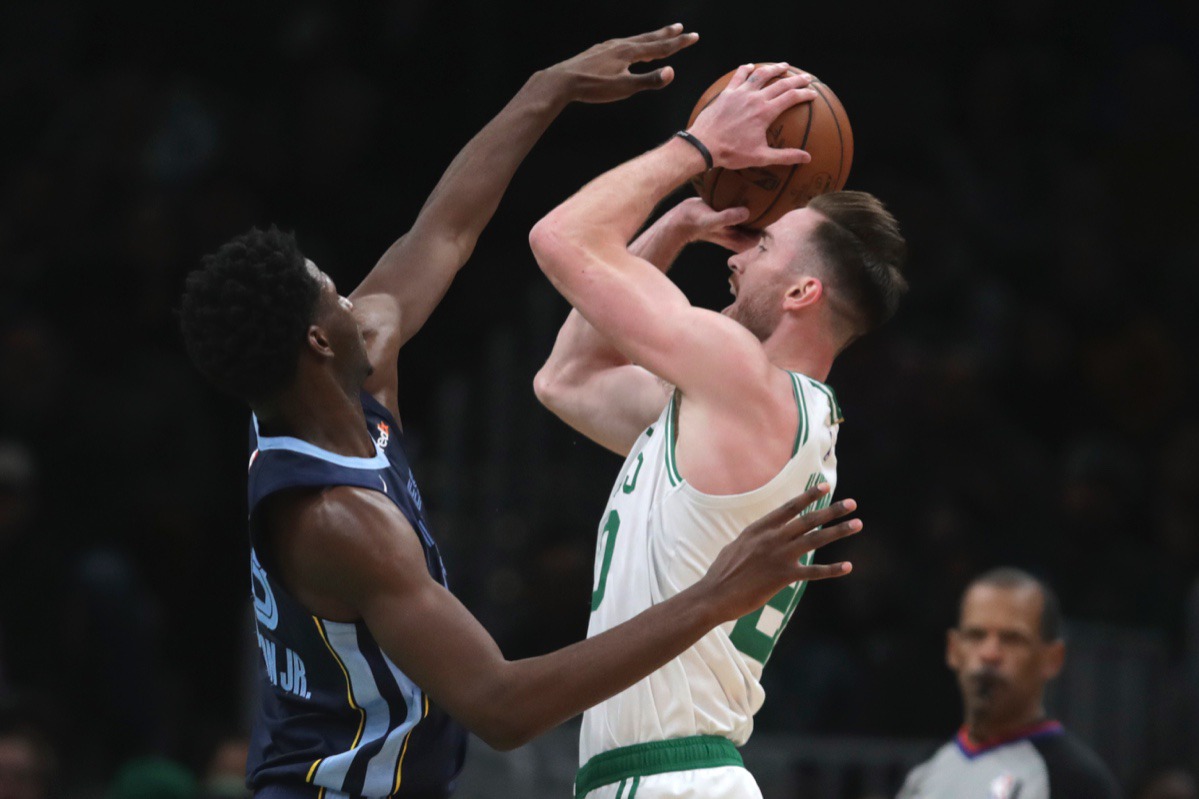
1006	647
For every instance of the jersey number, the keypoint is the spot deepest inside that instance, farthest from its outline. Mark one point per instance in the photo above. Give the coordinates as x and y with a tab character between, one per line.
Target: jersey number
755	634
608	542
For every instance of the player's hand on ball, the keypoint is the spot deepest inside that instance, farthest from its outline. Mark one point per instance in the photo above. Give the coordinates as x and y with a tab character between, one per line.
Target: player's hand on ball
701	222
766	557
601	73
733	127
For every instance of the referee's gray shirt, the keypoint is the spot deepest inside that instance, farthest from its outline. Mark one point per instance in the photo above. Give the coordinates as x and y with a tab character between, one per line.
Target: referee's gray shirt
1041	762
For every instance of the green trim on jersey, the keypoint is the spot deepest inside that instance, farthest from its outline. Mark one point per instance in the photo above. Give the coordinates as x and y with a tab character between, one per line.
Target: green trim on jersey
655	757
633	788
801	433
836	416
672	434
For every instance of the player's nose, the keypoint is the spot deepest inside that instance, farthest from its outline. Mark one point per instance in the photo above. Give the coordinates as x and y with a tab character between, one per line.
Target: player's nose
991	651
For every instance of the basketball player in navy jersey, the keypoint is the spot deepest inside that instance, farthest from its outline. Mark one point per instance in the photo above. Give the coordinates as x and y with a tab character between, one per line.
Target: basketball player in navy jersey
370	665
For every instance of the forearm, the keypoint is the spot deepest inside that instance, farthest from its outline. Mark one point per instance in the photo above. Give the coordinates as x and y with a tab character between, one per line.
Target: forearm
608	210
417	269
466	197
579	345
547	690
662	242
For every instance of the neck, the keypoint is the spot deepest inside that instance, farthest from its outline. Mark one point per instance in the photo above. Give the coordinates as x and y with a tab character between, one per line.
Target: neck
982	729
796	349
320	412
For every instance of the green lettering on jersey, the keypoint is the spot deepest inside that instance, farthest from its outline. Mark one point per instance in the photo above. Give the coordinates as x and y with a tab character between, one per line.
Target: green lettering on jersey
755	634
630	481
608	542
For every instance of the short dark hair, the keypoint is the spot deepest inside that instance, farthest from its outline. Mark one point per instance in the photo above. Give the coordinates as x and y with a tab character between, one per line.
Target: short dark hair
860	240
246	311
1010	577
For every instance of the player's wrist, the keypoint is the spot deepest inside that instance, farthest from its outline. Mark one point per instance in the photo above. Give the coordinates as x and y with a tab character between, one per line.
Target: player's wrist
695	142
554	87
690	157
702	605
712	142
679	225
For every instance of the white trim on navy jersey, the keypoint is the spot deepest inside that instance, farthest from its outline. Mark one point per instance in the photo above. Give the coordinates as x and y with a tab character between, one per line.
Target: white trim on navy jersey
379	461
381	769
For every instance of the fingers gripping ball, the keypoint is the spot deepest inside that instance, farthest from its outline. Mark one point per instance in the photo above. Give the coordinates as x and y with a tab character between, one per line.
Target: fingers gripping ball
821	127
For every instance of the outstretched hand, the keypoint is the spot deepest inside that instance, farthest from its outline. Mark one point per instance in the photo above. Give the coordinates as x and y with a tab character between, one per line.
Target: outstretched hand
769	553
601	73
733	126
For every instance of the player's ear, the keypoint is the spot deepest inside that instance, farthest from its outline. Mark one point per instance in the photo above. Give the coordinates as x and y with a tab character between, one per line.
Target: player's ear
318	341
952	657
804	293
1055	659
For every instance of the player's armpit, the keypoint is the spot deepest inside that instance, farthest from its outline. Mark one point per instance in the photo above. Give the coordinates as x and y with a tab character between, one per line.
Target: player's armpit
380	316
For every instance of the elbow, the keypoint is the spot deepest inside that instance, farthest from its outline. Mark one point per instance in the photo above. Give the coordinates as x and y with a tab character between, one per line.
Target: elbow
545	240
547	387
559	245
506	737
505	728
500	712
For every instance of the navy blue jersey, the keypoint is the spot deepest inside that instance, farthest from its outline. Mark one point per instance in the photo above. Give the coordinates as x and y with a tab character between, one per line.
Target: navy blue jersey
337	718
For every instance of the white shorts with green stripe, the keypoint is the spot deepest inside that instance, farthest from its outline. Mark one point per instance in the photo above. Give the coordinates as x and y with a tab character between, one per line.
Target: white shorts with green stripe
700	767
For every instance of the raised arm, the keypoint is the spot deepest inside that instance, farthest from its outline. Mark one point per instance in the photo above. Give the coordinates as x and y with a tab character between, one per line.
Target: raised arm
353	548
586	381
581	245
397	296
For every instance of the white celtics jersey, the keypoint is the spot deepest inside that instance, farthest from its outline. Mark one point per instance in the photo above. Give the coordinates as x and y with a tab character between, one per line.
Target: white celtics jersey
658	536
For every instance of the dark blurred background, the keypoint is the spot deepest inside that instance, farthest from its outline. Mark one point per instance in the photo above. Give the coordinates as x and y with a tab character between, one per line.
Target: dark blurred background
1033	403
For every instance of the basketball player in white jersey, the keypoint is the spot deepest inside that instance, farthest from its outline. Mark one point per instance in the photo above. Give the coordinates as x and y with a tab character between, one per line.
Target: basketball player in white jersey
721	415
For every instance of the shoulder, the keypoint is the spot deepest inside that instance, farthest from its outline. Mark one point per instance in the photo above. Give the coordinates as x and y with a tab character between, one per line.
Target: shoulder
342	517
1075	771
919	775
342	543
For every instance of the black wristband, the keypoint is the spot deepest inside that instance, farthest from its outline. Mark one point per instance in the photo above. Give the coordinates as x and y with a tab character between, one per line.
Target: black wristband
697	144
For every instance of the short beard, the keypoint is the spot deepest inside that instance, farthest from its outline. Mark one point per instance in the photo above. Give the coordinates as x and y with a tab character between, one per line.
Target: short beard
760	316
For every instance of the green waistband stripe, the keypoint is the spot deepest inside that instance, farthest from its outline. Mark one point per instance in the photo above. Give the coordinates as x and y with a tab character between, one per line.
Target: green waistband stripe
656	757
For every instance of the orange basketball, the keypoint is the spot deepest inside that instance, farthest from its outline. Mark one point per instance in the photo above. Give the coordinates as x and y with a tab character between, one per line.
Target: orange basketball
820	127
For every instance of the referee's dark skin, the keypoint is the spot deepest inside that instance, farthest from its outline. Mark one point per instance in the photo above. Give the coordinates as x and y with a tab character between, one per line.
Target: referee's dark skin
1006	646
1002	658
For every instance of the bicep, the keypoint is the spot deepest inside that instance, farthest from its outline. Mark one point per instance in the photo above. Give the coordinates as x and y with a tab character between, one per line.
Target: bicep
379	316
431	636
362	552
415	272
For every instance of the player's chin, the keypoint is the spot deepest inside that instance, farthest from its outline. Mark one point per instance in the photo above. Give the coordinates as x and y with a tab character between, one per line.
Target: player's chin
727	310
